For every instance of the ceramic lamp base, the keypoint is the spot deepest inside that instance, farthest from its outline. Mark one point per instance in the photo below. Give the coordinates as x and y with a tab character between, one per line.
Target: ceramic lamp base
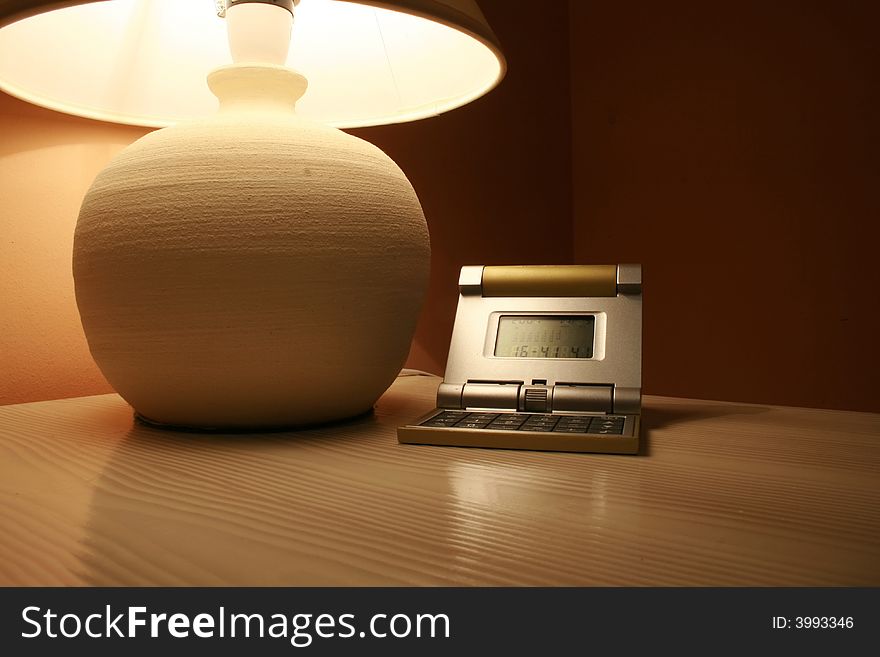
253	270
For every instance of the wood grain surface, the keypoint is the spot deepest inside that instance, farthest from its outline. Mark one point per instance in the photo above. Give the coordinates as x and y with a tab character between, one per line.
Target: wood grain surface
723	494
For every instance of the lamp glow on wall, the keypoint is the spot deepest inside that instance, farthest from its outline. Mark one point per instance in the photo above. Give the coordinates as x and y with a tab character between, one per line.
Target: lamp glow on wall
250	267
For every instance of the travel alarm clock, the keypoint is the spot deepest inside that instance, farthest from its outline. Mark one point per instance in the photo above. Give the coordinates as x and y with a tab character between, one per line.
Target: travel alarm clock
543	358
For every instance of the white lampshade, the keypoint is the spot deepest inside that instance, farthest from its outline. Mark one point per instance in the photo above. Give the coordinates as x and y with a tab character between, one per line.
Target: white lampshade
144	62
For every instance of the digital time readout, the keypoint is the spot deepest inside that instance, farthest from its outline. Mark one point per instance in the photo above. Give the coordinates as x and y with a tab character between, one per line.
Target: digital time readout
533	336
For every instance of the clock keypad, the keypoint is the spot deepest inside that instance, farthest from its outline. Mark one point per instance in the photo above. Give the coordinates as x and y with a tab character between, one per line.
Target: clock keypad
534	422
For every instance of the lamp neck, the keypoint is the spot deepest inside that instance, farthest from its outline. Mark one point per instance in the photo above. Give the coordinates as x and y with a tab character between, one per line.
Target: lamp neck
256	88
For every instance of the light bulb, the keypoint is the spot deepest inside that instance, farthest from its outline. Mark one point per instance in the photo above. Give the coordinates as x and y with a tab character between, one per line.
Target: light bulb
259	32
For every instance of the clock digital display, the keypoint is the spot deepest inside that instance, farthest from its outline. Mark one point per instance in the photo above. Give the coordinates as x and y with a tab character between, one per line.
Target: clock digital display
551	336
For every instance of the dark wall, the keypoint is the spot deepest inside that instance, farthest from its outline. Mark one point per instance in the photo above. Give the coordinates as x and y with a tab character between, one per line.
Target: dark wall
734	150
494	177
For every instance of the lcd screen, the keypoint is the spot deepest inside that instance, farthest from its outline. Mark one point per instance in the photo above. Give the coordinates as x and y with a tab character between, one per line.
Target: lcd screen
552	336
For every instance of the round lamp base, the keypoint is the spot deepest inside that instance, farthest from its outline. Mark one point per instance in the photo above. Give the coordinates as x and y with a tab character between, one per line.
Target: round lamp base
251	271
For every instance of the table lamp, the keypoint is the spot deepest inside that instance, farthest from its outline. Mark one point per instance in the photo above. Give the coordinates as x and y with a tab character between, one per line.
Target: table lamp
254	266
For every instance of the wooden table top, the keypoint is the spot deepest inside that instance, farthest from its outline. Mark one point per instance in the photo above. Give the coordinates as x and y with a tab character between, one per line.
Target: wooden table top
724	494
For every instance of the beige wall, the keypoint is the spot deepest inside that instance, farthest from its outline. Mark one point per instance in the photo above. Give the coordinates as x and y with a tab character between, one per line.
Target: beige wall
734	150
47	162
